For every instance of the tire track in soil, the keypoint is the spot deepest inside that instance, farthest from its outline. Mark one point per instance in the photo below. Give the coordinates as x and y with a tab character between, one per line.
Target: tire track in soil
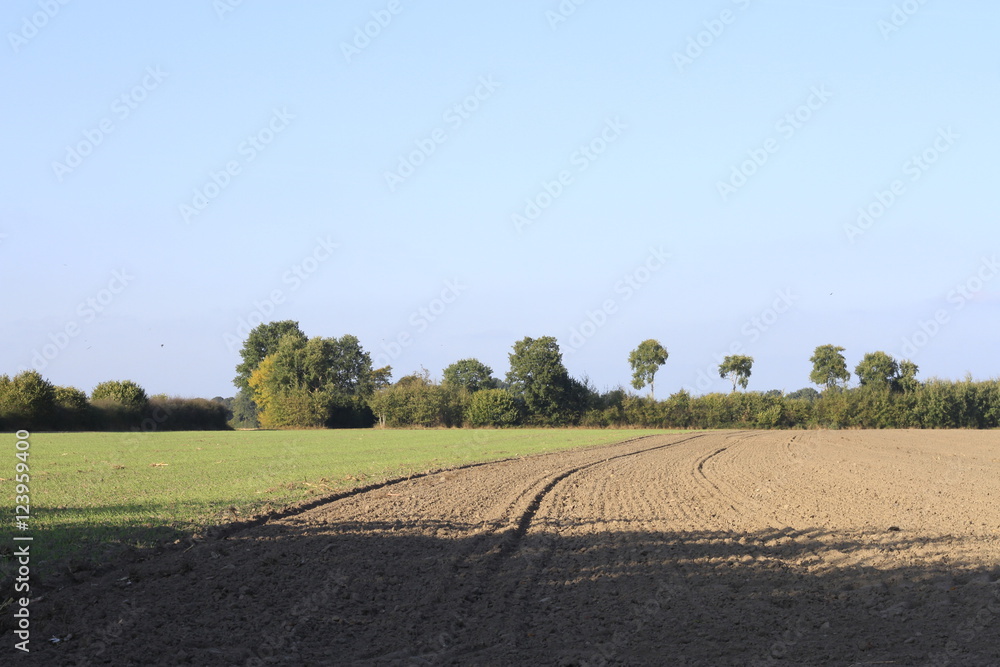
744	468
610	503
458	645
519	594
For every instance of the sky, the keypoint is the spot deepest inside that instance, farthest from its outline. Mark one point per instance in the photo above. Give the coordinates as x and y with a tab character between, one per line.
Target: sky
443	179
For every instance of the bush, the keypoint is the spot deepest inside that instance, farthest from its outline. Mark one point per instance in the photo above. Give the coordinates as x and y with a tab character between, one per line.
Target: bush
28	401
492	407
126	393
184	414
72	409
415	401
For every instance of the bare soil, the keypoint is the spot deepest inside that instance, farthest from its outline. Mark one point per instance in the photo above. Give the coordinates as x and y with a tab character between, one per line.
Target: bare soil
727	548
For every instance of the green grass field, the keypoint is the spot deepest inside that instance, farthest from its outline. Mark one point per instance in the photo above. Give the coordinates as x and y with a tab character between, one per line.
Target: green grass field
94	492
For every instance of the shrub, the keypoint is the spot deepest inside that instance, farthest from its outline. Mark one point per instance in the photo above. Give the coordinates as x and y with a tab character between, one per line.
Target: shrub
492	407
28	401
413	401
72	409
129	395
184	414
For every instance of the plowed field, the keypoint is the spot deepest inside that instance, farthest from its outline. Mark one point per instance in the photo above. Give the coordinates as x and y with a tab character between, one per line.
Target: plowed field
728	548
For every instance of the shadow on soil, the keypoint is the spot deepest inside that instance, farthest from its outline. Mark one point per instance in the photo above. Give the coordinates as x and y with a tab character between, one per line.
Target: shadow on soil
394	593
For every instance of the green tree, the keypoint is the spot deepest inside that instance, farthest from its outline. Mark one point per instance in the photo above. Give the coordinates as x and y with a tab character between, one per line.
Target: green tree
804	394
244	410
829	366
281	402
261	342
71	398
877	370
124	393
737	368
470	374
538	377
416	400
381	377
907	381
492	407
314	382
72	408
27	401
645	360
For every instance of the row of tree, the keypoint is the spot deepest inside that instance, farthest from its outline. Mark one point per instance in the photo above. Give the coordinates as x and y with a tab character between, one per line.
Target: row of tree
289	380
29	401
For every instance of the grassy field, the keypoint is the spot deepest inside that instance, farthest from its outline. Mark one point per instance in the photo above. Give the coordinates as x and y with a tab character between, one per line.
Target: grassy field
94	492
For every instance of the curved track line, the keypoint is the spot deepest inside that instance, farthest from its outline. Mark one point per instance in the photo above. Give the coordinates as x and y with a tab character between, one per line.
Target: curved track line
524	523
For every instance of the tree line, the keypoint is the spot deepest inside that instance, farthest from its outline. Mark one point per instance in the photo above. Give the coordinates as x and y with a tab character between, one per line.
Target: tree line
288	380
29	401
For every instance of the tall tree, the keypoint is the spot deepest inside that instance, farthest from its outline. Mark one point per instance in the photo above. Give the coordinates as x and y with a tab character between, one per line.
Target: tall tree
907	380
877	370
381	377
315	382
470	374
262	341
282	405
538	377
737	368
645	361
829	366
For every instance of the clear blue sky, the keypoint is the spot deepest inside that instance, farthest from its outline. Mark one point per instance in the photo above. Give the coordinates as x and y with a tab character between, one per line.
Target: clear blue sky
171	170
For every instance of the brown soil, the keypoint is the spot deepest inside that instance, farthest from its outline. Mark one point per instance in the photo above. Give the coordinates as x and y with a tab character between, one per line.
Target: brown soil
730	548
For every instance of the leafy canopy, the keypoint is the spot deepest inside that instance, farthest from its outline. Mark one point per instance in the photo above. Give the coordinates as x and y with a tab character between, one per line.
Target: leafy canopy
877	370
737	368
829	366
538	377
126	393
492	407
315	382
470	374
261	342
645	360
